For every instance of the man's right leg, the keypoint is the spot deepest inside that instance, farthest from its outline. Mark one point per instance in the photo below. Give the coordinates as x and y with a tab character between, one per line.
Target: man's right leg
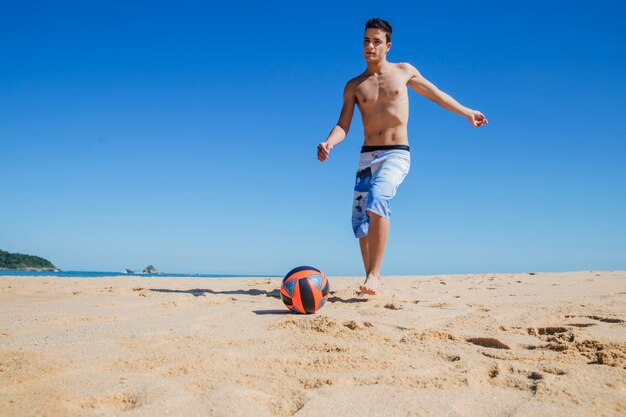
376	244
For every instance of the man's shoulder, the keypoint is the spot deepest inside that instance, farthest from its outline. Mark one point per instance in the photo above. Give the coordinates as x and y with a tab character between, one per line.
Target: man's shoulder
406	67
354	82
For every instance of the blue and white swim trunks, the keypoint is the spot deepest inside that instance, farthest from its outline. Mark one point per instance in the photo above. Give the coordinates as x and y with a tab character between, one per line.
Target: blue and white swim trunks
381	171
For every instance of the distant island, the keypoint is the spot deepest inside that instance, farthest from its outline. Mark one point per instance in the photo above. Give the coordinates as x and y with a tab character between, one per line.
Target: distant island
28	262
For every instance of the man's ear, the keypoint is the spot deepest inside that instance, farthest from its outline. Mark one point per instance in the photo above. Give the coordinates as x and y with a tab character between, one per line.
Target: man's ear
388	46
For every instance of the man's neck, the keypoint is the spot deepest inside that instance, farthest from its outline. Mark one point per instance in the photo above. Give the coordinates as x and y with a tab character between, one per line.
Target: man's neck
377	67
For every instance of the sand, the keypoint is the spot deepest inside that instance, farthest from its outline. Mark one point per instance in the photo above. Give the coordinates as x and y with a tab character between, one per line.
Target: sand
544	344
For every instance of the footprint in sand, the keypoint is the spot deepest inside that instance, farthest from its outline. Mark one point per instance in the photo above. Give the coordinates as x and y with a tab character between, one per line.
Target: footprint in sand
593	352
605	319
546	331
488	342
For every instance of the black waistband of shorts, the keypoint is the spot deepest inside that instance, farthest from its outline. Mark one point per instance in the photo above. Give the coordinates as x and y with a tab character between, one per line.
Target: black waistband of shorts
384	148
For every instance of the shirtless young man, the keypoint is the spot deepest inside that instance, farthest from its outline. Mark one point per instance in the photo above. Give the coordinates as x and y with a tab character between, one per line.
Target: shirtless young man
381	94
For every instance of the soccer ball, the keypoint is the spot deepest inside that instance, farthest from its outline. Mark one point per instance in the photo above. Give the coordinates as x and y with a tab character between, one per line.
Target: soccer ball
304	289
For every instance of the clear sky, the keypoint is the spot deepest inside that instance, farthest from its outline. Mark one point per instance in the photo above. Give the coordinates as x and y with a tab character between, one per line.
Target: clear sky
183	134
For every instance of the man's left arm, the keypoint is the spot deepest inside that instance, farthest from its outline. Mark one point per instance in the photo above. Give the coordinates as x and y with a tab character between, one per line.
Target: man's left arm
427	89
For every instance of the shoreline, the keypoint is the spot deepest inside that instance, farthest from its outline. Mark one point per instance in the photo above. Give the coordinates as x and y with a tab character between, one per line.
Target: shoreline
111	274
23	273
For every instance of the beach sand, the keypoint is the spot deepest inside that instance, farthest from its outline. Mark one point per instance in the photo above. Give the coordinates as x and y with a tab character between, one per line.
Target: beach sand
544	344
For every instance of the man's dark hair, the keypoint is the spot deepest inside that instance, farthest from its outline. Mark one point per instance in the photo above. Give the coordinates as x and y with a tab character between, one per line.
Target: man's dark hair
381	24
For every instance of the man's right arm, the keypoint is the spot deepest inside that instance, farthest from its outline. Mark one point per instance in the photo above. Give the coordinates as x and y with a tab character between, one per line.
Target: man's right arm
340	131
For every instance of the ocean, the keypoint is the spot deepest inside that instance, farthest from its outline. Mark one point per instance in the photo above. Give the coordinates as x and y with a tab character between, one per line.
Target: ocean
97	274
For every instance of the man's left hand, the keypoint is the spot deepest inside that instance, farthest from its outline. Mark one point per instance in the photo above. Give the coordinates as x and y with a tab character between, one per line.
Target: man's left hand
477	119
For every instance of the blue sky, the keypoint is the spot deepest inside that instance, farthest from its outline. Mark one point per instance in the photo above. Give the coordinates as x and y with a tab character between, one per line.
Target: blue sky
183	134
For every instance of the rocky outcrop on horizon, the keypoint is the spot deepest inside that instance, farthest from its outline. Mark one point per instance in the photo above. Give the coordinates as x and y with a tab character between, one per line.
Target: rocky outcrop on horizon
150	270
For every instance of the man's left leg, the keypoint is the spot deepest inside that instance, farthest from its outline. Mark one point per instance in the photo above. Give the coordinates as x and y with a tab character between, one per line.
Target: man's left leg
376	244
365	253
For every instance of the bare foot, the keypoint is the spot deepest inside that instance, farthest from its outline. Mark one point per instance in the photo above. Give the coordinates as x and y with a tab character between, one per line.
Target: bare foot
371	286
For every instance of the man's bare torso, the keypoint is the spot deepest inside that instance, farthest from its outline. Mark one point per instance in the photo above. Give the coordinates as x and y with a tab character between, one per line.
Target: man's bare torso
383	101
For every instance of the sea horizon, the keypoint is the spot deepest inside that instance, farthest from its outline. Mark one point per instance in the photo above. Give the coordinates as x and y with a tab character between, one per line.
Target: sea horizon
106	274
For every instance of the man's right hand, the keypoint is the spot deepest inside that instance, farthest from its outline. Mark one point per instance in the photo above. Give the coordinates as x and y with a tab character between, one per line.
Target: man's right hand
323	150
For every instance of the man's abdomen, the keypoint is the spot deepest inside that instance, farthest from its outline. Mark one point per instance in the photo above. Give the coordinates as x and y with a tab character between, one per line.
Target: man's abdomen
396	135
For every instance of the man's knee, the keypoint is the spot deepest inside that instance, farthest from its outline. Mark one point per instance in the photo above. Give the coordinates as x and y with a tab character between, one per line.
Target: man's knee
378	204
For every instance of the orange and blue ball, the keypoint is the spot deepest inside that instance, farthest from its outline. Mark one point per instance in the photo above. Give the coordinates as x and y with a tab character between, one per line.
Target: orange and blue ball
304	289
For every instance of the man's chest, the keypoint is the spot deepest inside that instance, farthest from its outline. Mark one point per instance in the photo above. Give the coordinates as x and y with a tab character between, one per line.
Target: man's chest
380	90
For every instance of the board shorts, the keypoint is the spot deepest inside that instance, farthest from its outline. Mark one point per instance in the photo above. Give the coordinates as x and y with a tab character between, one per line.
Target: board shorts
380	172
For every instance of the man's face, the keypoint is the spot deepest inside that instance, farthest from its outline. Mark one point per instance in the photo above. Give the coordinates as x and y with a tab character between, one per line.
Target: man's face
375	45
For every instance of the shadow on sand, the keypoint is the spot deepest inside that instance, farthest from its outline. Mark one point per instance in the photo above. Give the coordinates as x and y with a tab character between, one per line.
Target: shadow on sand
197	292
281	312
